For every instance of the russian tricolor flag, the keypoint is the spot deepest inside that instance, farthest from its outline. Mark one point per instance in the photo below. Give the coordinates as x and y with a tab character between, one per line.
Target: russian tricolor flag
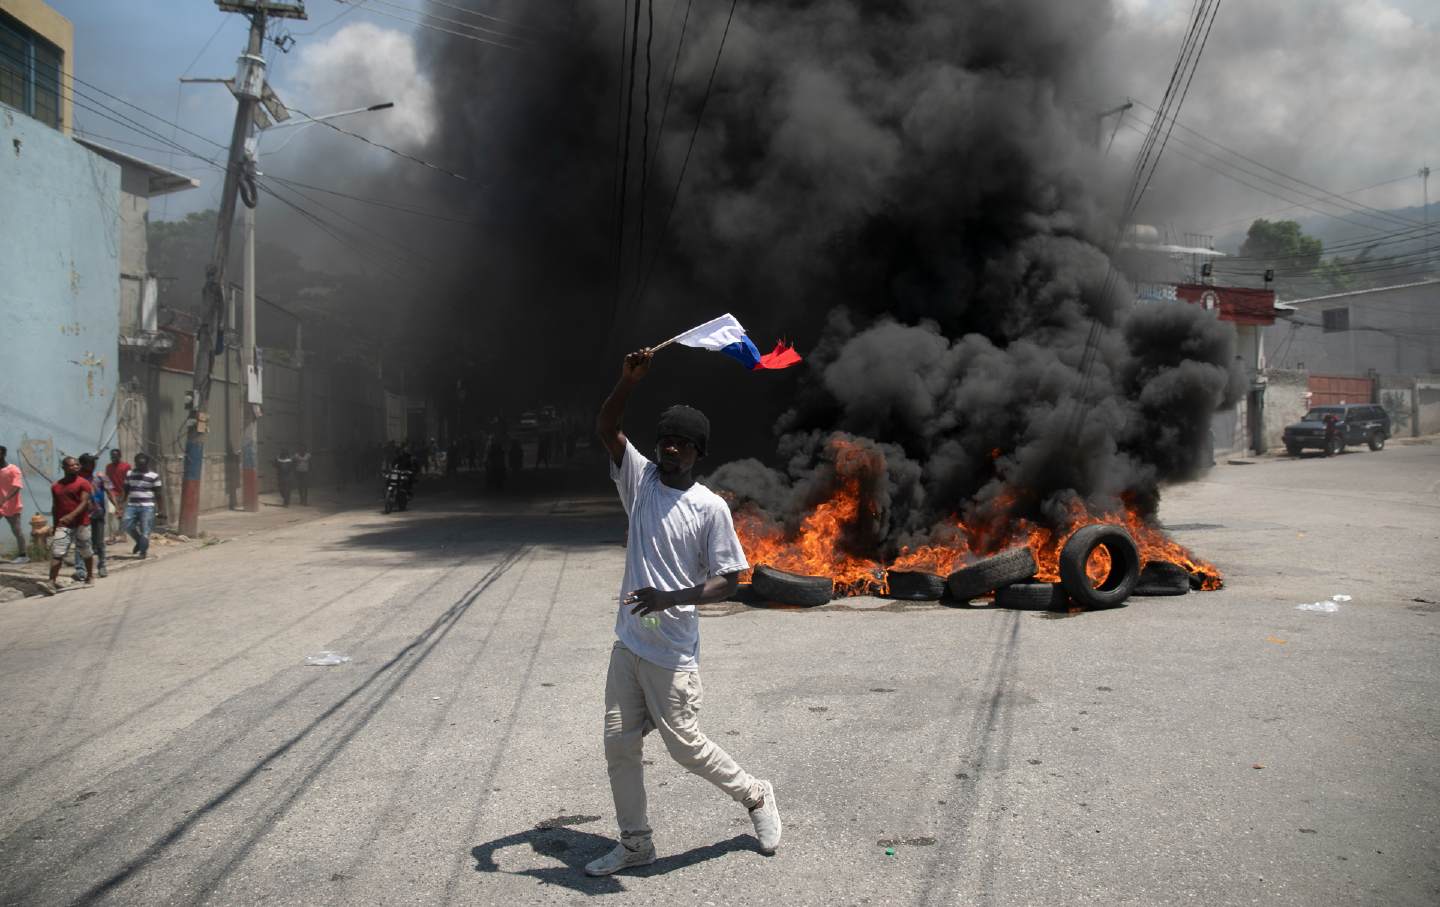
725	335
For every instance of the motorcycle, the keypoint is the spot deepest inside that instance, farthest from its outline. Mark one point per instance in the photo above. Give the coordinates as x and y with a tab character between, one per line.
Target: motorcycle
397	489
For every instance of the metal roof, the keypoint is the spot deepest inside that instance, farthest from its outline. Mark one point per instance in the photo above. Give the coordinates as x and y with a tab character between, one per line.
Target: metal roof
162	181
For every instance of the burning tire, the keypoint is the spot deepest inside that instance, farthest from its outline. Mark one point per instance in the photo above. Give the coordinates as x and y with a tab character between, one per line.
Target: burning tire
1013	566
1118	583
1162	578
790	588
914	586
1032	597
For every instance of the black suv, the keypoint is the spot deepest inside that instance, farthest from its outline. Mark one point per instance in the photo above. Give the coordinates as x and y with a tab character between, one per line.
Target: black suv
1355	423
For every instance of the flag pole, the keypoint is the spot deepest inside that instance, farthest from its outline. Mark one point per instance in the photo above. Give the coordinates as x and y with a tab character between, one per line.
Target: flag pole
659	347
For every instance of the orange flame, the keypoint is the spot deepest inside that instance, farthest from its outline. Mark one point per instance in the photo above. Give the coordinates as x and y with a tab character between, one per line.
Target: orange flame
815	548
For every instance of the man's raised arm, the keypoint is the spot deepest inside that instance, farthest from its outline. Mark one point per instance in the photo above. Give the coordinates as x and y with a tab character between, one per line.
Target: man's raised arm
612	411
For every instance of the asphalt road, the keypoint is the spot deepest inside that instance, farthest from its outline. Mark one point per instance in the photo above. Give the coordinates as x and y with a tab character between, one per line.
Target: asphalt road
163	742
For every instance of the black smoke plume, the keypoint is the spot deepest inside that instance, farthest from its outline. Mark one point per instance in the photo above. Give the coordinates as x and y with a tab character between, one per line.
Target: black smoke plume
910	190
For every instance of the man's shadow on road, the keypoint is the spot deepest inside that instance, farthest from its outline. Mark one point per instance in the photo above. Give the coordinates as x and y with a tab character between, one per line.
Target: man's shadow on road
575	848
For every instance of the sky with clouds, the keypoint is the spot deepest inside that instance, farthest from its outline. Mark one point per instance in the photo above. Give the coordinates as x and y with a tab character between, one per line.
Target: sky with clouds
1343	94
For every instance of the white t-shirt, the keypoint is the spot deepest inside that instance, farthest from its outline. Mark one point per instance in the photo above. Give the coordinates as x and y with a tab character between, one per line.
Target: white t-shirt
678	539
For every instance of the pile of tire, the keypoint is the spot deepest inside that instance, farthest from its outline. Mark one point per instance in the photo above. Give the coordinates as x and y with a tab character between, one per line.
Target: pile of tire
1010	574
914	585
783	588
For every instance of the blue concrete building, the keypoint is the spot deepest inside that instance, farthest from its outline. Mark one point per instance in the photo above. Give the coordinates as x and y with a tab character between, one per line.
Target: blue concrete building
59	299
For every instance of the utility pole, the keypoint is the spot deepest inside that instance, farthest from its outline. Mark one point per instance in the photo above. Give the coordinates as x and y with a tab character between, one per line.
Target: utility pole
250	409
249	86
1424	175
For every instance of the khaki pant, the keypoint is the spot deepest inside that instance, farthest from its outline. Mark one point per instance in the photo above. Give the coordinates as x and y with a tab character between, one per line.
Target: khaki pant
641	697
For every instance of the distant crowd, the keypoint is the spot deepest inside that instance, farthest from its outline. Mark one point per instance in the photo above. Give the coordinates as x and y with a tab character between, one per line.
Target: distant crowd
89	509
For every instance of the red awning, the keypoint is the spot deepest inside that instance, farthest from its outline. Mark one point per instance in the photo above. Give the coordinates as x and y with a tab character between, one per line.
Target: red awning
1238	304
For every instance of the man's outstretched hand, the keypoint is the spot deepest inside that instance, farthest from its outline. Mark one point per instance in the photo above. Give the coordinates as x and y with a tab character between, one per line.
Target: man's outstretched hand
637	364
650	600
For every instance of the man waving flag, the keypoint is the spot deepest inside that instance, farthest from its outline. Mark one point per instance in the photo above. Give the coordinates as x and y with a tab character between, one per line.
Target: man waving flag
726	335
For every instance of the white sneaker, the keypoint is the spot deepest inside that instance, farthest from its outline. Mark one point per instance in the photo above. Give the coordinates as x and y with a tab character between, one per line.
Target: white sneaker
766	818
22	559
622	857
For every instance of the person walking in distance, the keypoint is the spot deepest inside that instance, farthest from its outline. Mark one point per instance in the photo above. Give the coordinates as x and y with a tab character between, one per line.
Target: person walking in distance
115	471
141	485
11	482
302	474
284	474
70	508
99	496
682	550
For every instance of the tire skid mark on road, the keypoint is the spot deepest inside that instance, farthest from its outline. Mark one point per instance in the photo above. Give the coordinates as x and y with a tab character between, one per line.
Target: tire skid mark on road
15	849
984	750
86	678
502	744
206	879
10	783
400	788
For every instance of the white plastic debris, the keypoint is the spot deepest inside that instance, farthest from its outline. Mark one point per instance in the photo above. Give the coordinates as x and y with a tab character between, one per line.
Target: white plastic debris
326	658
1340	598
1325	607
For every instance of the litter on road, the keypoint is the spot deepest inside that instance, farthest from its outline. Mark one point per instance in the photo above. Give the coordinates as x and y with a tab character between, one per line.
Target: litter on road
1325	607
326	659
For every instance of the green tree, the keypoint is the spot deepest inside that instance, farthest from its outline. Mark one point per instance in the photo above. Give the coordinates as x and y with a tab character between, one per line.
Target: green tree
1281	244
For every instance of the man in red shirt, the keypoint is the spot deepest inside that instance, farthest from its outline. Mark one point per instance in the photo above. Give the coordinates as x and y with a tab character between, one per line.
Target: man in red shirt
116	471
70	508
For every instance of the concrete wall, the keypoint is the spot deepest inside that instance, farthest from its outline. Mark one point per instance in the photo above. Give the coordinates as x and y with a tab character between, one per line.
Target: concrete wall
1285	402
134	246
1427	405
1393	331
59	260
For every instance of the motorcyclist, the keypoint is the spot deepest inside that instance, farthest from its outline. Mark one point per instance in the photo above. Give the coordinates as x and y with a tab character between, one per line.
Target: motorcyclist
405	462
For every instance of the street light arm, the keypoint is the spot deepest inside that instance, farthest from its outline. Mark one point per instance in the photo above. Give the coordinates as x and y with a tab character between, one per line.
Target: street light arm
311	121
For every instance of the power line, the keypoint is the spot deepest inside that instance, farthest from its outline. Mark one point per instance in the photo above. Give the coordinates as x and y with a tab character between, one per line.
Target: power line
379	203
1218	168
395	151
349	8
1325	192
448	31
674	65
476	12
1251	218
625	163
417	12
110	138
685	163
645	139
366	228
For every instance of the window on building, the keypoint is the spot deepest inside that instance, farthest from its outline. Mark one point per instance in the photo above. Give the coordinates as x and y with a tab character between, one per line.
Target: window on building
29	72
1336	319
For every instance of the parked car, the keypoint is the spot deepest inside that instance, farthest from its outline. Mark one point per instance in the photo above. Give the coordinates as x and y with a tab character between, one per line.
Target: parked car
1355	423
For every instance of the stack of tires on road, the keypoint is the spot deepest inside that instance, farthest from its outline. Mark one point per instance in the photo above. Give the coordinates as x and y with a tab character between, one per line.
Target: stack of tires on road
1010	575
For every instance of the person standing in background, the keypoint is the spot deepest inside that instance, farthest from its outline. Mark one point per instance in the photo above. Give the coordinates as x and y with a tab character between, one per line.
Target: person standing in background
70	505
284	474
116	471
140	486
99	495
11	481
302	474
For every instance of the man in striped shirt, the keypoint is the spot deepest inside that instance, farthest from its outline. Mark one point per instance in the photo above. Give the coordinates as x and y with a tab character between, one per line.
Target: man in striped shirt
141	484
